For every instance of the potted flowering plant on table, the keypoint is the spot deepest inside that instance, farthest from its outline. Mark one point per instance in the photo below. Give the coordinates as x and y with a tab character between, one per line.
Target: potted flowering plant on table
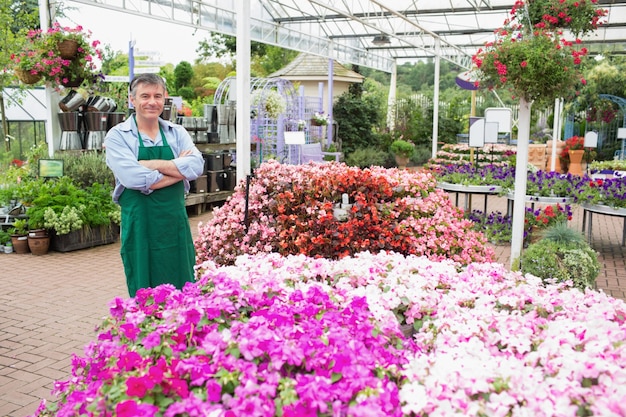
319	119
574	153
537	221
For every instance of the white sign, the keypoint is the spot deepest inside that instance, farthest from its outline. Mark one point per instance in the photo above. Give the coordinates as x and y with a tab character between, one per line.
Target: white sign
294	138
477	132
591	139
147	70
500	115
150	54
491	132
116	78
141	63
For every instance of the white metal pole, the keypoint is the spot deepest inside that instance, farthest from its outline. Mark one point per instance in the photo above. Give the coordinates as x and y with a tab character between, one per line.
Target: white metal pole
391	99
243	89
53	128
436	97
556	129
331	83
521	173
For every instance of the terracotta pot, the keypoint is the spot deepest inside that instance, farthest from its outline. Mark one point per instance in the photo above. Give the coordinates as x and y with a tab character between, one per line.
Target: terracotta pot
575	162
316	123
20	243
67	48
26	77
37	233
402	161
39	245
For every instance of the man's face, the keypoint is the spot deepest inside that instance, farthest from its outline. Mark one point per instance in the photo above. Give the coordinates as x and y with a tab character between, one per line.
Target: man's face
148	101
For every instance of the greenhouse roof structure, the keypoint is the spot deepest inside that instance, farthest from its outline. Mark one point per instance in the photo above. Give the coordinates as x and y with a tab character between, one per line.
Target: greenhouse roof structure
371	33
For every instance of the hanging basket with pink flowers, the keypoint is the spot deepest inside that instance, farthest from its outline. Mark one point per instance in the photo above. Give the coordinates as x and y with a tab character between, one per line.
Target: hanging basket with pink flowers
60	56
28	77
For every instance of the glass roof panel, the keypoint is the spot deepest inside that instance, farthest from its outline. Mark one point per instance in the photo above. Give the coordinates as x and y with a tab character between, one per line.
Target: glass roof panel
345	29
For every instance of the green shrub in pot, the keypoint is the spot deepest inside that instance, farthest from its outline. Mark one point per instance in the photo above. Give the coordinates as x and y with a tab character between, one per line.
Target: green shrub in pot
402	148
562	255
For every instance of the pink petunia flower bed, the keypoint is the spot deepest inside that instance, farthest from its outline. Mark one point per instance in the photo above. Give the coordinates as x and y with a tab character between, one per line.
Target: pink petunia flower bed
274	335
290	210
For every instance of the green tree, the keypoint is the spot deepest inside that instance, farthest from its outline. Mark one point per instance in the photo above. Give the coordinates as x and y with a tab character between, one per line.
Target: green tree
183	72
225	46
114	62
264	60
356	117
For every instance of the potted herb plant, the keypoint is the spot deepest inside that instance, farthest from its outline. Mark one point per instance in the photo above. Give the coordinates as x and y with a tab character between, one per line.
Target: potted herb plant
19	236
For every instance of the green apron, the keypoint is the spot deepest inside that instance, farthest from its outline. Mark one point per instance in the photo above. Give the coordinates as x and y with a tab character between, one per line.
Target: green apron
157	246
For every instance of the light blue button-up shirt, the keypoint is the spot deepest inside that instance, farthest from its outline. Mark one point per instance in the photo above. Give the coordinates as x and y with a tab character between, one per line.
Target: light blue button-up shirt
121	146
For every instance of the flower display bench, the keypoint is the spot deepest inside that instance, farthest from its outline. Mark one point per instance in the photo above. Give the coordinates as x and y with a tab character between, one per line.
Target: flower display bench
590	209
607	173
533	199
469	191
84	238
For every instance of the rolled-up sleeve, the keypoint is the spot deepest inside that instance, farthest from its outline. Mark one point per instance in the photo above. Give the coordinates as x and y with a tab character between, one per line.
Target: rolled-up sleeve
192	165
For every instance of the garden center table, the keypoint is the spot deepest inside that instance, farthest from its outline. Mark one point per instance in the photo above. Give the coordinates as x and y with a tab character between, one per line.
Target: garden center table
602	209
468	191
533	199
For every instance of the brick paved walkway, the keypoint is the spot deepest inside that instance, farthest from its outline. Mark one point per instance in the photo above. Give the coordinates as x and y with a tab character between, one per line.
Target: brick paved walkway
50	305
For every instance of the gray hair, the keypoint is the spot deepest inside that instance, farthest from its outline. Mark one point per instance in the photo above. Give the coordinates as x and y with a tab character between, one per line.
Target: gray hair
149	79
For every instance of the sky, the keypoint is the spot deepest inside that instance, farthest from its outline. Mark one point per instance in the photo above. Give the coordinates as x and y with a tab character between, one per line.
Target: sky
173	43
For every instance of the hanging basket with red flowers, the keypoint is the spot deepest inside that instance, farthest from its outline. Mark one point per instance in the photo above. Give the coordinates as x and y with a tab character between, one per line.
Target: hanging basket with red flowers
531	56
577	16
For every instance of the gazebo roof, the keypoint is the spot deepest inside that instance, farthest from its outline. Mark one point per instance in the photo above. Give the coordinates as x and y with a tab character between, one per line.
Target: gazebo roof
315	68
